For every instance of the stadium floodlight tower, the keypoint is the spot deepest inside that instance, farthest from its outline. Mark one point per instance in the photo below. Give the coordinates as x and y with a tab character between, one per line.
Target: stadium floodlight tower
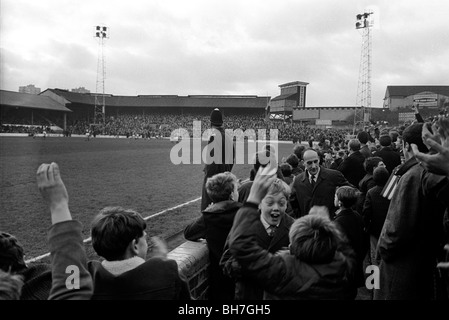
101	33
362	111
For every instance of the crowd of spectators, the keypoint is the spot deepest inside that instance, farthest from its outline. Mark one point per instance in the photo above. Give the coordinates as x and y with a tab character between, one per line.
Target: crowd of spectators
323	222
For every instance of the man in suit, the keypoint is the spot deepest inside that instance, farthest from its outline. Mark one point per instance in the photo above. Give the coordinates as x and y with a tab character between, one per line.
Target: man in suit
315	186
352	167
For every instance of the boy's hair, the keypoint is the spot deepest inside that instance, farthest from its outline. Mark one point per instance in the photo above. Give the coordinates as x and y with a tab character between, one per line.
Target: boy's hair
279	186
286	169
299	151
370	163
113	229
10	286
220	186
381	176
314	239
11	253
348	196
292	160
363	137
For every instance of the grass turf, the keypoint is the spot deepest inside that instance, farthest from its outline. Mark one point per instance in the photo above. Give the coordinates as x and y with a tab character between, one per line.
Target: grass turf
136	174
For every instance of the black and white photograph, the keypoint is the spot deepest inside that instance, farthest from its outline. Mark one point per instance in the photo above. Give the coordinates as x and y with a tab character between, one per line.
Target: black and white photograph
226	156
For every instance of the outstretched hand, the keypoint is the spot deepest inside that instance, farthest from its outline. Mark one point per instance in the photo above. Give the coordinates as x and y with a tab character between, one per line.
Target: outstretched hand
437	162
53	191
264	178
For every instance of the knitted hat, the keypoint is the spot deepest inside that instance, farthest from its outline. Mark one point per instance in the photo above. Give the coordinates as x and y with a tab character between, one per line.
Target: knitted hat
216	117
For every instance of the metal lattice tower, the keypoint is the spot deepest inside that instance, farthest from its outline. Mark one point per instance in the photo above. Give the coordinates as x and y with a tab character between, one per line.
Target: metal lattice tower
362	112
101	33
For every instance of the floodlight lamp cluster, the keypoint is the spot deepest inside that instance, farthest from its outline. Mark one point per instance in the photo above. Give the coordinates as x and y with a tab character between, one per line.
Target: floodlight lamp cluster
101	32
362	20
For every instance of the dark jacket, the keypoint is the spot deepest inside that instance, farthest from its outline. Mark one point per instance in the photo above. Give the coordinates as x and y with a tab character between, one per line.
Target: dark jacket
352	226
37	282
391	158
412	236
67	249
352	168
245	287
283	276
322	194
375	210
225	163
336	163
156	279
214	225
244	190
366	152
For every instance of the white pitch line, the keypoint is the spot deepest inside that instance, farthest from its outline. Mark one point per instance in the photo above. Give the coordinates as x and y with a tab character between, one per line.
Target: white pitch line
146	218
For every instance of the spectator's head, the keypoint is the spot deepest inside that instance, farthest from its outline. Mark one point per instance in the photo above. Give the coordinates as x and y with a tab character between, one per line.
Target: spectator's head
216	118
346	197
341	154
371	163
10	286
299	150
119	234
311	161
286	169
354	145
380	176
274	203
363	137
412	134
292	160
222	187
11	253
314	239
385	140
393	135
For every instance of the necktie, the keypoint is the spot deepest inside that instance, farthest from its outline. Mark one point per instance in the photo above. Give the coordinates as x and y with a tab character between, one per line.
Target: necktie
271	230
312	180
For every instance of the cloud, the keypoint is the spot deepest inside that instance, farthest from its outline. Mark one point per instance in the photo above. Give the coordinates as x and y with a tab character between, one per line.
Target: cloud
223	47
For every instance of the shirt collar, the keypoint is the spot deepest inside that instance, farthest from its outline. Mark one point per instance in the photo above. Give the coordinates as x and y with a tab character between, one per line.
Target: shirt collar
266	225
316	175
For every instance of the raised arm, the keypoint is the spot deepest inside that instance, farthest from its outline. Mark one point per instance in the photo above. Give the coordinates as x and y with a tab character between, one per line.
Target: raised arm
70	278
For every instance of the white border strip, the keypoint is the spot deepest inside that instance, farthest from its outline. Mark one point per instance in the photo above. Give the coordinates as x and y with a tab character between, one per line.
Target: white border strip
146	218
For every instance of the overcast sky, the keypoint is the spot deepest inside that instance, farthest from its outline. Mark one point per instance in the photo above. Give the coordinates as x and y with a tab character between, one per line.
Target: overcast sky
227	47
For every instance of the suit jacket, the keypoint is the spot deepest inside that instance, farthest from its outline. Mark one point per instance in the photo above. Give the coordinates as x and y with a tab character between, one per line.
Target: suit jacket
305	197
352	168
390	157
246	288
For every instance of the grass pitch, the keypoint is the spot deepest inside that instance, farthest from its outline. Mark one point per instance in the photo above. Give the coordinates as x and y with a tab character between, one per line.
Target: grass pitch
136	174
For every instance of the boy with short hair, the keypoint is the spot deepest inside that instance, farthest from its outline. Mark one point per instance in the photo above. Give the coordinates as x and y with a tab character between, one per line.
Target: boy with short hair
119	236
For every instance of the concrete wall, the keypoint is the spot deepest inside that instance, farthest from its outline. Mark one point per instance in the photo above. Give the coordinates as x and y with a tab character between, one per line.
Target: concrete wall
193	263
